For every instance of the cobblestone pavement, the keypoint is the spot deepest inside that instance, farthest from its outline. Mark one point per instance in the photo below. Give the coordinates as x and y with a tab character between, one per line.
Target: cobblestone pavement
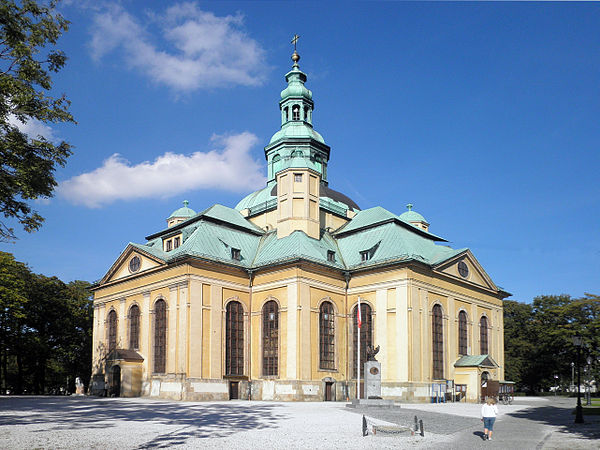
101	423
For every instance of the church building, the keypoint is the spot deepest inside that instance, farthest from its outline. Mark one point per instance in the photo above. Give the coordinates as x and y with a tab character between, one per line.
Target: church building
260	301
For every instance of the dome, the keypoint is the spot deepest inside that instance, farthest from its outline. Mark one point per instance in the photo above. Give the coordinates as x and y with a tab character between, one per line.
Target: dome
412	216
264	195
296	130
296	90
258	198
184	212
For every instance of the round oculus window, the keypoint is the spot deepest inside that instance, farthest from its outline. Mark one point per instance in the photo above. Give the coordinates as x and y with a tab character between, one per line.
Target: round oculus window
463	269
374	370
134	264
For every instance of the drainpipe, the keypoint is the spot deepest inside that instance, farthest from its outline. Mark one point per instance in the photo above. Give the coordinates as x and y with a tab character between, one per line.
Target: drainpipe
347	277
250	276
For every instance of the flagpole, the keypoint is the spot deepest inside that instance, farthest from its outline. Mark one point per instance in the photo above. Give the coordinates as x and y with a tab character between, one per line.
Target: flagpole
358	326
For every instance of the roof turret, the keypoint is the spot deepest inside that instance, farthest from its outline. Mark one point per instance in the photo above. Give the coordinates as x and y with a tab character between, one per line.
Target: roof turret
181	214
414	218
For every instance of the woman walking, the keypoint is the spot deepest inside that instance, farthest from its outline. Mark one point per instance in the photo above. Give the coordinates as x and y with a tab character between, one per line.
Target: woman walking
489	411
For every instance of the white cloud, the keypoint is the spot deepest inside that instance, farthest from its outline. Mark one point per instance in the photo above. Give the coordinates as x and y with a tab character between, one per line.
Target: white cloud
200	50
229	168
32	128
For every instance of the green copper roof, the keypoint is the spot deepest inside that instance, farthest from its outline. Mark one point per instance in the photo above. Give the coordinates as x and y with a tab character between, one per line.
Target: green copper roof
411	216
296	130
296	89
183	212
476	361
374	216
260	197
297	246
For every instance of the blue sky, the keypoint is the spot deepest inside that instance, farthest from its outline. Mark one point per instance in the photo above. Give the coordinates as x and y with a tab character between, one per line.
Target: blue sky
483	115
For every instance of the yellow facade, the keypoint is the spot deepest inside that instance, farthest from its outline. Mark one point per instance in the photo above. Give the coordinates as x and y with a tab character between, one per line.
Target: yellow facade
195	314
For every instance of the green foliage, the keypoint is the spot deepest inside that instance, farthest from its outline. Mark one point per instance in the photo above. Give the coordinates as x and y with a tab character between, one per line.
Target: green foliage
45	330
538	339
28	162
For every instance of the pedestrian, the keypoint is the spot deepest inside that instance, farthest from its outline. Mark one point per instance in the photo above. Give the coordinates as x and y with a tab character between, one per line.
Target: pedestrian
489	411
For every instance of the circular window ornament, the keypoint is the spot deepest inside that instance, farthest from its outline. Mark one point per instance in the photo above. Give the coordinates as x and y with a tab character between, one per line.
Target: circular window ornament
134	264
463	269
374	370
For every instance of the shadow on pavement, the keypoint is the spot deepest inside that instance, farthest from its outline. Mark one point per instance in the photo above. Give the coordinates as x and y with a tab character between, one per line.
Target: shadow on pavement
194	420
561	416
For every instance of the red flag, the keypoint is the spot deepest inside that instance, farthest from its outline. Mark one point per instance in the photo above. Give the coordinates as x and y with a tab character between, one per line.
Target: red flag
358	315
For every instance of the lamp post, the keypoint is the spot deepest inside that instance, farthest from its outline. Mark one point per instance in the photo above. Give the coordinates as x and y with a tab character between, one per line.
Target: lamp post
578	341
572	388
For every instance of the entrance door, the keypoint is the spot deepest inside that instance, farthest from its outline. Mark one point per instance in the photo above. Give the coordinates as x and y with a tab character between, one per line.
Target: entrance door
234	390
484	386
328	391
114	381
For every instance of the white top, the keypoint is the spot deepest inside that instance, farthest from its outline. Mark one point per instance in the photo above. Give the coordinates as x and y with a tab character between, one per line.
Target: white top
489	410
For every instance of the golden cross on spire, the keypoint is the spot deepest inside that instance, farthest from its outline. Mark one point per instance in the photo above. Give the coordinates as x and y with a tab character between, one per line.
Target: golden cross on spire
295	40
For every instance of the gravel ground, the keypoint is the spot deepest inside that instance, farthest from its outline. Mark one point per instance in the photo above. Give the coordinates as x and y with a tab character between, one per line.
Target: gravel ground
89	422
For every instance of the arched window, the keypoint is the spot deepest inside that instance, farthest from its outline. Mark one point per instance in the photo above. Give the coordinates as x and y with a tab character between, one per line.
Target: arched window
234	336
305	113
276	161
438	343
112	330
462	333
326	337
483	335
296	112
160	336
134	327
286	113
270	338
366	335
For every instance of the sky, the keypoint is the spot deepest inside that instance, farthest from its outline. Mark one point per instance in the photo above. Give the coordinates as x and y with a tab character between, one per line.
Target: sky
482	115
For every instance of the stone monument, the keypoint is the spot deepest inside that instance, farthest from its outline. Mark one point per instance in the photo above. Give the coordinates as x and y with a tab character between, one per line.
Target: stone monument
372	380
372	375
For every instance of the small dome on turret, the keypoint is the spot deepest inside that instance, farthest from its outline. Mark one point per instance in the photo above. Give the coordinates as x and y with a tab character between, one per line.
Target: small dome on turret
414	218
180	215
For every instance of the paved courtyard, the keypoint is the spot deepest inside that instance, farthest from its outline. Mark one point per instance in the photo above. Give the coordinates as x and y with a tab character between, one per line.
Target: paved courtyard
89	422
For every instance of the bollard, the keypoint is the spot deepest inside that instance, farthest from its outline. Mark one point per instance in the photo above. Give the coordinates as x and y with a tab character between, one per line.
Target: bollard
365	432
421	425
416	424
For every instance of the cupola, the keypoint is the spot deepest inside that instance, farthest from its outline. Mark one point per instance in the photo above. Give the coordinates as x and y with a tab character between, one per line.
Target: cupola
180	215
414	218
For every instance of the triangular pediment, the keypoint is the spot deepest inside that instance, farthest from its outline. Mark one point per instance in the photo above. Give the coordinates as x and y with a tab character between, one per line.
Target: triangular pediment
476	361
466	268
125	266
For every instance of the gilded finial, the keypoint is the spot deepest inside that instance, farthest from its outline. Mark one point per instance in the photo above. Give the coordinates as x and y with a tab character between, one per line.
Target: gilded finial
295	55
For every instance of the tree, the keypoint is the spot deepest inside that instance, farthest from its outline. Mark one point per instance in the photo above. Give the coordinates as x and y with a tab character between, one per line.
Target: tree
28	162
13	301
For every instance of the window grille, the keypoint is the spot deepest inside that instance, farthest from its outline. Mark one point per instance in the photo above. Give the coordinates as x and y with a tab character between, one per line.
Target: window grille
112	330
270	338
160	336
234	335
326	336
176	242
169	245
295	112
366	335
462	333
483	335
298	177
134	327
438	343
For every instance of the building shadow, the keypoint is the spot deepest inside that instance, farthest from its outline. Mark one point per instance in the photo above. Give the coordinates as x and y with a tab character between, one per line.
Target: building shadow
191	420
562	418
